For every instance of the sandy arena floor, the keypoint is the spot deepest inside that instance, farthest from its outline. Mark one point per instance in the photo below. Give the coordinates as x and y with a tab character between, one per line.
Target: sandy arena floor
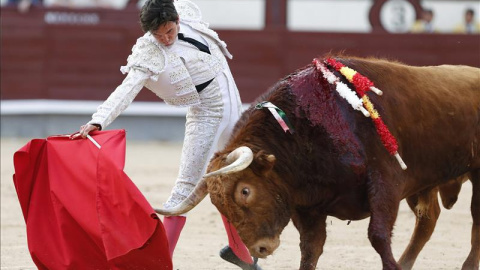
153	167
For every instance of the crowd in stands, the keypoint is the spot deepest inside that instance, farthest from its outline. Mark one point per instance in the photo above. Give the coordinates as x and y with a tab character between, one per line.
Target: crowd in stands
425	24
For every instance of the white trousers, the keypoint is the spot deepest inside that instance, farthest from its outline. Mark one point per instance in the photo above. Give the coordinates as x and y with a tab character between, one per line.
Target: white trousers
207	130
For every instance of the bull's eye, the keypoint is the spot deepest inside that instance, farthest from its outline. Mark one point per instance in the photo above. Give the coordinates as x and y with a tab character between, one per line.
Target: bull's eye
244	194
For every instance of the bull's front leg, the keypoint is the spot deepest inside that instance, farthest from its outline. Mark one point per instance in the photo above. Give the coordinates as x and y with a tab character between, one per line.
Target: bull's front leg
384	200
313	233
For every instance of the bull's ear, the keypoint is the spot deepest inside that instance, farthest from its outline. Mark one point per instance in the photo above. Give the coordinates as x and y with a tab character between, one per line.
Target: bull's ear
263	162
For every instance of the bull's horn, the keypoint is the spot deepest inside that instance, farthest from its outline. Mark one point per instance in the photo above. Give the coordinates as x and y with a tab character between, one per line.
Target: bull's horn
189	203
238	160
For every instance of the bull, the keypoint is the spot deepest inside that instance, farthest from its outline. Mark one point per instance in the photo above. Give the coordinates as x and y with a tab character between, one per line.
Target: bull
336	164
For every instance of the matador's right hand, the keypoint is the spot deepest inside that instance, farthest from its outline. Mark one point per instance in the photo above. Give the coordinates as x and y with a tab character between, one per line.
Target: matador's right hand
85	130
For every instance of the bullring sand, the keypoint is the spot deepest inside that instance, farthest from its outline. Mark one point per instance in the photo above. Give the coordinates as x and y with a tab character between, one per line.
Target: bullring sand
153	167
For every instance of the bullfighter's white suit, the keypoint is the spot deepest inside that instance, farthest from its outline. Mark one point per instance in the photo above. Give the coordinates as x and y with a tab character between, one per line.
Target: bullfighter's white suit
172	73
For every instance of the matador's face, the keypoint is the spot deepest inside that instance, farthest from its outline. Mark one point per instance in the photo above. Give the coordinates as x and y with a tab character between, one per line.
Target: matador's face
167	33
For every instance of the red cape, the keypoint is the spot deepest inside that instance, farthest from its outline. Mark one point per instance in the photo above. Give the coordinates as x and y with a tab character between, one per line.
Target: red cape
82	211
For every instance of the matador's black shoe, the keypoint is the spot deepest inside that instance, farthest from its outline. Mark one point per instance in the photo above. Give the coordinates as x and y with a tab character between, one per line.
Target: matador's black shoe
227	254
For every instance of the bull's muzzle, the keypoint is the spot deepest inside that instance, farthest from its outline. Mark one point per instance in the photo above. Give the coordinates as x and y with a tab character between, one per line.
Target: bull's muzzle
264	247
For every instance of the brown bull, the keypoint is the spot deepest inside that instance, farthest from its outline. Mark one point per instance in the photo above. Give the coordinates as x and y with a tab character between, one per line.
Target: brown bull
335	164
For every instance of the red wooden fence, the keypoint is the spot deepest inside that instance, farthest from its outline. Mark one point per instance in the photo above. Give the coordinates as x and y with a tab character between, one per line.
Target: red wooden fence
44	55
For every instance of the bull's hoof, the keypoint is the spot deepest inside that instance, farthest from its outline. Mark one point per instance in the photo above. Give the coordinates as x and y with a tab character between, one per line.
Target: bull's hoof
227	254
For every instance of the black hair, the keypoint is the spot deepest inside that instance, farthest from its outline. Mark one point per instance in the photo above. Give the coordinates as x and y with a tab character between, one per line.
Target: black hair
470	11
156	13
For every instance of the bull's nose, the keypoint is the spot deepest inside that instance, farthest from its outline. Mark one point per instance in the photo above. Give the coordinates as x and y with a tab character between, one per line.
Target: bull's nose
261	252
264	247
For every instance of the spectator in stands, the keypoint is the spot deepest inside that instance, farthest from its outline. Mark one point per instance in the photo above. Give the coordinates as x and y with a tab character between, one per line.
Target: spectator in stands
184	62
469	25
23	6
425	23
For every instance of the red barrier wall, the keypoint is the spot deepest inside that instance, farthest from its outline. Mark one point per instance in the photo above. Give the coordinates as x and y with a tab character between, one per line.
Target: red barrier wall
81	61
